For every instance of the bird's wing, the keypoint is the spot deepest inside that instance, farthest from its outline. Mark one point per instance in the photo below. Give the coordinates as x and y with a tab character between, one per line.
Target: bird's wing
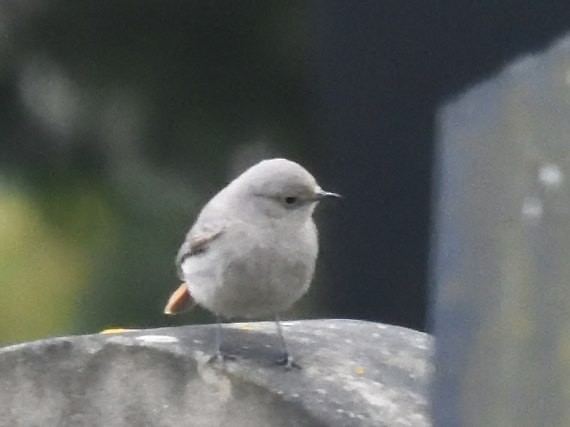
196	243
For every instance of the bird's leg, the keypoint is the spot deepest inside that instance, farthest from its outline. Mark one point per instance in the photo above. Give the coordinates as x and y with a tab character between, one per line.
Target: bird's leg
286	359
219	356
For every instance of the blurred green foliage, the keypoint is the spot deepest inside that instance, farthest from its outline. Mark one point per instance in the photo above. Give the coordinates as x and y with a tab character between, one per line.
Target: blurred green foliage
117	121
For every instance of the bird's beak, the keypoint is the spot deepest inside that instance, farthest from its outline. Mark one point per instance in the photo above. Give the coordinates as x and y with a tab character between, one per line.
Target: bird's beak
321	194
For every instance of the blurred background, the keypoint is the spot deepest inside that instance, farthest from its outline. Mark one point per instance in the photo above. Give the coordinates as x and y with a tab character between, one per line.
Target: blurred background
120	119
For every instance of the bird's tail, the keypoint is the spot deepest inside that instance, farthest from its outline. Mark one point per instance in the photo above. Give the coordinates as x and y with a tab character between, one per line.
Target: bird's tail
180	301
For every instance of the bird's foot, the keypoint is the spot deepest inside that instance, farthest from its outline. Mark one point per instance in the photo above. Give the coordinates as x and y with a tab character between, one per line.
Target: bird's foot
288	362
221	357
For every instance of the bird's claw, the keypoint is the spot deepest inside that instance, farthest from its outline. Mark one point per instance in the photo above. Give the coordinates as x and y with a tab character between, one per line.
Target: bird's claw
288	362
221	357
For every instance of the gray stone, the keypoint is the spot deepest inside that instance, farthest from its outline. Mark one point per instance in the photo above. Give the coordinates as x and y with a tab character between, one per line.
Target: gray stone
353	373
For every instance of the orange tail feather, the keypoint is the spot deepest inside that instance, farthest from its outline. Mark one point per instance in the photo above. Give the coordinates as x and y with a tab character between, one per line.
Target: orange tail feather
179	301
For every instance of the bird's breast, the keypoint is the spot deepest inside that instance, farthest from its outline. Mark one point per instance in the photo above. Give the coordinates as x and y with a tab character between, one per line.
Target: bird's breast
264	274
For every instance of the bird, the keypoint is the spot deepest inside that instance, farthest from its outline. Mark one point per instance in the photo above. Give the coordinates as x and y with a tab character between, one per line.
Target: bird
251	252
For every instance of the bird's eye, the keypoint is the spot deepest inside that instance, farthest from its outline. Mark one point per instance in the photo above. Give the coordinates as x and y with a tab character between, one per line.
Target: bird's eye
290	200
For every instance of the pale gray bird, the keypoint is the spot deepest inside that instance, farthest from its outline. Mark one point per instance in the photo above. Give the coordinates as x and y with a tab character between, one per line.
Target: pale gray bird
252	250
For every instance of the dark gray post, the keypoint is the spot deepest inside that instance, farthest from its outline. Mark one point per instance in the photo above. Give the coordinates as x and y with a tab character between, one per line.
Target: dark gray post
502	249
